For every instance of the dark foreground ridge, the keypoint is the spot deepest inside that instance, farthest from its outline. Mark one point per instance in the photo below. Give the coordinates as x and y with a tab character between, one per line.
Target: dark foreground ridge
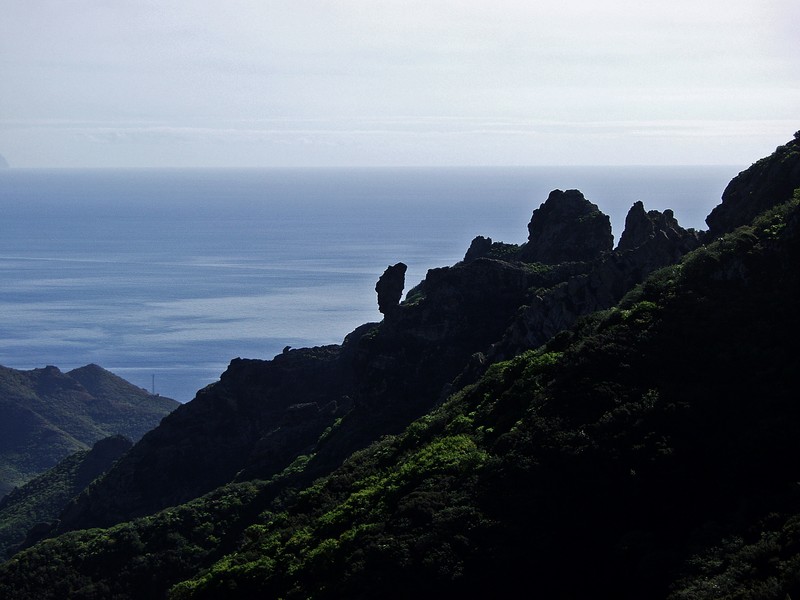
582	421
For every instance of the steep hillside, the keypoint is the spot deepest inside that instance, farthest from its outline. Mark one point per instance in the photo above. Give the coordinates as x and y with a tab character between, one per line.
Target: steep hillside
48	415
630	457
39	502
579	429
756	189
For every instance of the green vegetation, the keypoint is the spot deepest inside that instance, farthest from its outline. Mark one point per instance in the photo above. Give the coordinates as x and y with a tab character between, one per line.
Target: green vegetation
765	565
131	560
503	251
39	502
48	415
649	451
580	453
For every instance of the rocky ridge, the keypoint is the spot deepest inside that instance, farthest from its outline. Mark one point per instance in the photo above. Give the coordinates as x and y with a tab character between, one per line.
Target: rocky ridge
586	455
328	402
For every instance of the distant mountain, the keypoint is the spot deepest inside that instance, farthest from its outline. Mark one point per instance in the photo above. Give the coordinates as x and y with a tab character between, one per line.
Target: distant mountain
595	424
40	501
46	415
3	162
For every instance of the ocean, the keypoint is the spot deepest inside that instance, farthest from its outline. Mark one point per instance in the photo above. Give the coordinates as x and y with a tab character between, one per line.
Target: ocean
163	276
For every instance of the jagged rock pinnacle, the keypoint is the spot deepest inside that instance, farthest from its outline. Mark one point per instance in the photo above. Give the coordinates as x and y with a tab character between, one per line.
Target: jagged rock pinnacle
390	287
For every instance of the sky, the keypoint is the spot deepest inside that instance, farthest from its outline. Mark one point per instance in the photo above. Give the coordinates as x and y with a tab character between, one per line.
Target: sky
316	83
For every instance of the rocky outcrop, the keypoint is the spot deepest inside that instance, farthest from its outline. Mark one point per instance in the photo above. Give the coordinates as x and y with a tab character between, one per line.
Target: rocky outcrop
263	414
390	287
329	402
655	237
405	365
567	227
651	240
640	226
479	248
484	247
768	182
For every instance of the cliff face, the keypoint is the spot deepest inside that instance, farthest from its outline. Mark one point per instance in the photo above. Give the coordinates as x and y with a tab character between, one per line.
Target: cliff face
263	414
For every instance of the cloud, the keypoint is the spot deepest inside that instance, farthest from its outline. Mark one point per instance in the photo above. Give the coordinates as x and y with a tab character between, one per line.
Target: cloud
150	72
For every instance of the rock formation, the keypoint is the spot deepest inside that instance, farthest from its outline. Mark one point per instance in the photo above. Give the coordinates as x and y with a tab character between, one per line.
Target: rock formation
651	240
390	287
479	247
262	414
640	227
657	237
567	228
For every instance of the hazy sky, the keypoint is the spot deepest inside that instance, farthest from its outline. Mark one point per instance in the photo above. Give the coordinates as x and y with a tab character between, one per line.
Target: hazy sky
414	82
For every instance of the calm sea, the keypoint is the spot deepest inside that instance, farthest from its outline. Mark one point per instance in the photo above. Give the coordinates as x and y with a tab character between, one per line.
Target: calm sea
163	276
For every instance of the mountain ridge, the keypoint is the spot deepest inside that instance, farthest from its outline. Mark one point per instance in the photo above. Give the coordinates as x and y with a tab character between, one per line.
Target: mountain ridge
49	414
596	427
381	378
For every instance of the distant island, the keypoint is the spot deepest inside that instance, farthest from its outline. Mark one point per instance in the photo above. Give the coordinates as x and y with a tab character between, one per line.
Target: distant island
3	162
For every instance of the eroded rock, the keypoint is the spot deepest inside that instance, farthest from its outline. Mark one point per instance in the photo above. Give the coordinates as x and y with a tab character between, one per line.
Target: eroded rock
567	228
390	287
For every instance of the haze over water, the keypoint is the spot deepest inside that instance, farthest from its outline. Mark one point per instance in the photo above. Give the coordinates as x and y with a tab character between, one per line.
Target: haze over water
169	274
